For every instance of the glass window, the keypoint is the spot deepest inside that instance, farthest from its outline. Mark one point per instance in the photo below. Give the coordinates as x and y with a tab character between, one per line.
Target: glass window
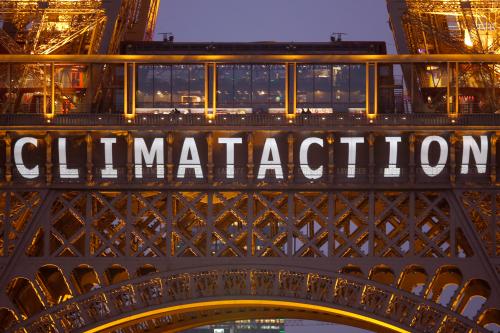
322	85
242	85
305	85
163	86
340	82
196	86
260	84
357	84
277	85
180	85
145	86
250	88
225	88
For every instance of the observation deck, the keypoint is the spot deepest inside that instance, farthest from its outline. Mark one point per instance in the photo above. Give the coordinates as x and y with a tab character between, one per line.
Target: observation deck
265	89
143	192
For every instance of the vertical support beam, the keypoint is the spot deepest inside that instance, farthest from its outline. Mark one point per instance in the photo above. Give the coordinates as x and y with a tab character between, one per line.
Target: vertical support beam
291	89
48	158
453	162
8	157
45	111
375	90
52	90
331	167
449	75
371	158
125	90
371	89
130	152
134	88
210	164
170	157
371	223
8	108
411	164
457	83
295	88
214	90
90	164
291	168
90	88
367	88
250	164
493	158
206	78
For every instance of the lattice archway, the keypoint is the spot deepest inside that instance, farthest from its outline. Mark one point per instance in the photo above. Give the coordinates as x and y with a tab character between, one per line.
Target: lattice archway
178	300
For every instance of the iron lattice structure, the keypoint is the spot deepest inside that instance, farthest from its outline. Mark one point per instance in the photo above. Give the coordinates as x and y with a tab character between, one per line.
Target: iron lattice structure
74	27
446	26
416	259
449	27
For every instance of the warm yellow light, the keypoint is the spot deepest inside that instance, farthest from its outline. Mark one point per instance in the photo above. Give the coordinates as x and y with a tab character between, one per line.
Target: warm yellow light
467	39
247	303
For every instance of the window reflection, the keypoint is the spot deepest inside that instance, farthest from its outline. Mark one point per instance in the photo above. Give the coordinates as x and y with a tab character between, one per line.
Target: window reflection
251	88
330	88
161	88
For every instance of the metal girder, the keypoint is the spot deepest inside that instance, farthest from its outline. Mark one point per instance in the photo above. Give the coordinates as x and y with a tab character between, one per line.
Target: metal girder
383	242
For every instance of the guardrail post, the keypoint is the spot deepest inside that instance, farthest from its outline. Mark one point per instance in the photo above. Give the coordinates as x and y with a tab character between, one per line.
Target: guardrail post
8	157
493	159
291	90
371	89
52	91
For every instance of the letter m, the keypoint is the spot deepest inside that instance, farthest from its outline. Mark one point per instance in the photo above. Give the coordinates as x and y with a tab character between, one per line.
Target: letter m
156	152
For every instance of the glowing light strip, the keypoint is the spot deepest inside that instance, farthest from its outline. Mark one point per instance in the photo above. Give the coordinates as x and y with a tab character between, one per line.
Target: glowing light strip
257	303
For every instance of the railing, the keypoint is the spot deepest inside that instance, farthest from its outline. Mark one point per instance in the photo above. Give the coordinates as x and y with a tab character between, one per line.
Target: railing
190	120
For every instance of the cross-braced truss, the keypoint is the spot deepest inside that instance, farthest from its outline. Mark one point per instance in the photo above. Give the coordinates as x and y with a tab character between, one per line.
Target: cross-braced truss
419	260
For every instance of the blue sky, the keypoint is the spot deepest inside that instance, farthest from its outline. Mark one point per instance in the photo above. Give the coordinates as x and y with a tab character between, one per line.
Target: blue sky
274	20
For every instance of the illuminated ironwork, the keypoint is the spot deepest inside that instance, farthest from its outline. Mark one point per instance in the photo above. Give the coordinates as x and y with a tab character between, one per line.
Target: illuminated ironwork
413	253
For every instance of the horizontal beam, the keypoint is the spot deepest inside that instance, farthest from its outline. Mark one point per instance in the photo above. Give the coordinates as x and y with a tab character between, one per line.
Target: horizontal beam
251	58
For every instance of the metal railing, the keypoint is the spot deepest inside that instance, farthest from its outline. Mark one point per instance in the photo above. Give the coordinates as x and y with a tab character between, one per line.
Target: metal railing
268	120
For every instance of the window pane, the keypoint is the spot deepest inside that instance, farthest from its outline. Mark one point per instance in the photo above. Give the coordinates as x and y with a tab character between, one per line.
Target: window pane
305	85
322	85
180	85
260	85
340	80
242	85
277	85
145	86
225	85
197	86
163	86
358	84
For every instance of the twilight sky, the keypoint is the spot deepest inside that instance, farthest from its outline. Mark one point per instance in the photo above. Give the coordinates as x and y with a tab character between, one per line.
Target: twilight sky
276	20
